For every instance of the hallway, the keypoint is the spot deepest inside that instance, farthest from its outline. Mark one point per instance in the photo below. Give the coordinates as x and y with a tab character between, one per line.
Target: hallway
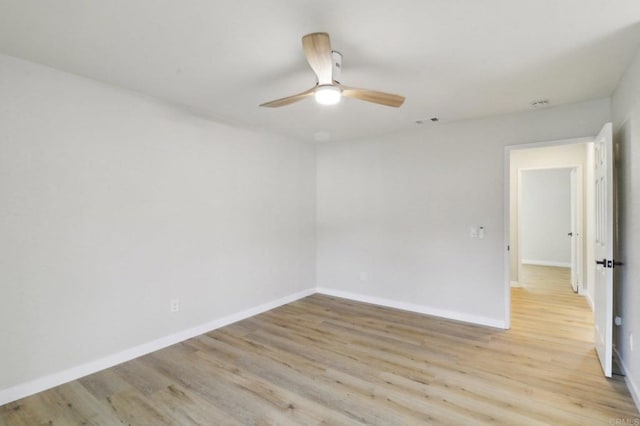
546	304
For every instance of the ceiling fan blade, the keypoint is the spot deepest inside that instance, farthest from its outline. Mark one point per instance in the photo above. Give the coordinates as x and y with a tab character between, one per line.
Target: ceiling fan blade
382	98
289	99
317	49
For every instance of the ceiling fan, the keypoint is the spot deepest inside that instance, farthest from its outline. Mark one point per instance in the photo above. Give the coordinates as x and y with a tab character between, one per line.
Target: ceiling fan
328	91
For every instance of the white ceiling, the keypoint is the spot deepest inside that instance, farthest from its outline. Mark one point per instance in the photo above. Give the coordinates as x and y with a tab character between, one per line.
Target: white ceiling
453	59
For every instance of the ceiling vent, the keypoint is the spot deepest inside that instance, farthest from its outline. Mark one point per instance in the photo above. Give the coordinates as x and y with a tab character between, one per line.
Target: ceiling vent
540	104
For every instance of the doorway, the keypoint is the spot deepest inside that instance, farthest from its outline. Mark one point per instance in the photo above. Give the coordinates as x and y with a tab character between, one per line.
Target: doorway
596	157
574	156
550	218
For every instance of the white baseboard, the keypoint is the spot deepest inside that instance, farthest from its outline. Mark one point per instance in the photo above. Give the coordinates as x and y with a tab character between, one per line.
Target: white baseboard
633	389
43	383
38	385
546	263
442	313
589	300
515	284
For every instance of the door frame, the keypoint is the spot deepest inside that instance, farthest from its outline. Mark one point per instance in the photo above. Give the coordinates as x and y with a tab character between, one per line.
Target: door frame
576	188
578	217
507	209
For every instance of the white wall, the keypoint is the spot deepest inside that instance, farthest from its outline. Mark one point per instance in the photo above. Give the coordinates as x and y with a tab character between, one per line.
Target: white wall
398	208
546	217
113	203
626	114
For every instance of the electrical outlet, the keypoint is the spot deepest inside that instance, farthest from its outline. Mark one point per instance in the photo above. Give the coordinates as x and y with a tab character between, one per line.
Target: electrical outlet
174	305
363	276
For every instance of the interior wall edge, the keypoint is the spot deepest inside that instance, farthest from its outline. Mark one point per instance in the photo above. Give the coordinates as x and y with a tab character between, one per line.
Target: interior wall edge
420	309
633	389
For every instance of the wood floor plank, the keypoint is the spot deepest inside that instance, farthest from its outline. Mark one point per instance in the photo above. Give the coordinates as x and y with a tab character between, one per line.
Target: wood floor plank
188	408
326	360
134	408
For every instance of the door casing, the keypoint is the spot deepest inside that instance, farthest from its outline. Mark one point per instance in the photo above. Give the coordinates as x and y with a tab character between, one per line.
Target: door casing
506	207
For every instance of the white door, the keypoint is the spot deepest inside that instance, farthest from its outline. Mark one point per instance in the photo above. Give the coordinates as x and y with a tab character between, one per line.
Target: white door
573	234
603	253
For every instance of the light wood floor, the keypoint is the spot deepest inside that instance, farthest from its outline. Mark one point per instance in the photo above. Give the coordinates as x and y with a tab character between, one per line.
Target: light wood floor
323	360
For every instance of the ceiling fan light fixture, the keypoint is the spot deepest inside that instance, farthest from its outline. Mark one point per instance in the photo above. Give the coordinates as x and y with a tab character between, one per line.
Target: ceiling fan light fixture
326	64
328	94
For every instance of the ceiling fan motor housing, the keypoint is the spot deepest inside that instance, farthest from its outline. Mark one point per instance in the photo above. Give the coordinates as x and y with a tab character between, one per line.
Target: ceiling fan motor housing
336	57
